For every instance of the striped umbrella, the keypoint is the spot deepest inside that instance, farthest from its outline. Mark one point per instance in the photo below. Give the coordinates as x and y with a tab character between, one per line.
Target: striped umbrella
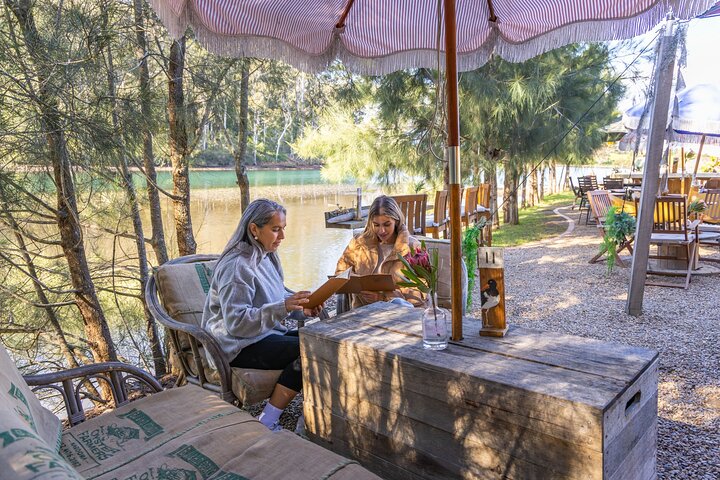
380	36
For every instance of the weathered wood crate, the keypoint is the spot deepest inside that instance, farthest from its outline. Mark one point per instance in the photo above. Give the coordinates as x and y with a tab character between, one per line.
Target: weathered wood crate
531	405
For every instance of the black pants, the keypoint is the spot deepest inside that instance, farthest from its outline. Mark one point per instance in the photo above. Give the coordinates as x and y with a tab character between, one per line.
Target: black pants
275	352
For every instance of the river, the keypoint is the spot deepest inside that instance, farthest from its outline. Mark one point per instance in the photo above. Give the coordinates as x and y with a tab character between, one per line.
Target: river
310	251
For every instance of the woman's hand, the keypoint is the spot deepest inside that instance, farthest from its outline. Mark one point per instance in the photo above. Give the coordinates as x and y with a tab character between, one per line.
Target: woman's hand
296	301
313	312
372	297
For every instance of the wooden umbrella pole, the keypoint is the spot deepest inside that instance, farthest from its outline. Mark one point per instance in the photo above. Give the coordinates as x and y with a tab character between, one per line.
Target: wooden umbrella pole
697	161
452	156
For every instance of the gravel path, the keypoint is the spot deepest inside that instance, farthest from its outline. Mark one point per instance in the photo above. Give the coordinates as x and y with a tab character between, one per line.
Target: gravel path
683	325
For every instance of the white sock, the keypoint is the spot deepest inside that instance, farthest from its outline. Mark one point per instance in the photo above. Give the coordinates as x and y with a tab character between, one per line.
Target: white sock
270	415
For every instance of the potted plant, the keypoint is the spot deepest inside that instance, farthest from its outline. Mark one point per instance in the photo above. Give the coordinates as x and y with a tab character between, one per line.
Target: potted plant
696	208
619	227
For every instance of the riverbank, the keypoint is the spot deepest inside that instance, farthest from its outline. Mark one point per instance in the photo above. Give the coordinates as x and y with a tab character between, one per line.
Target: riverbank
276	192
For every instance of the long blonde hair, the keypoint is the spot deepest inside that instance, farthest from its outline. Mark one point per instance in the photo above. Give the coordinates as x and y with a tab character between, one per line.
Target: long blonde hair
384	205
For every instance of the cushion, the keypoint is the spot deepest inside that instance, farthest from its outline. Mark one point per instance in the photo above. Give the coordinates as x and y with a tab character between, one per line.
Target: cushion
19	401
187	432
183	289
29	433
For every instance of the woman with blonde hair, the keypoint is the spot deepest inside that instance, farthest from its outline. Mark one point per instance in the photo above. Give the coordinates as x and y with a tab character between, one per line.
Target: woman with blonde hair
376	250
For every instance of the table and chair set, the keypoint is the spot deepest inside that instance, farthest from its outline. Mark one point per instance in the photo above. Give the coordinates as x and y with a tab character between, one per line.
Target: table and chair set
475	204
676	234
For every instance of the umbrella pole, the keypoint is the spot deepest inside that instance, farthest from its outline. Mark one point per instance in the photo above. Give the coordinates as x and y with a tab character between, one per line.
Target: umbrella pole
452	156
697	161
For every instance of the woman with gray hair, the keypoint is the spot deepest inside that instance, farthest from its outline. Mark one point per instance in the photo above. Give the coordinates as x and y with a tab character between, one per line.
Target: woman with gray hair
248	303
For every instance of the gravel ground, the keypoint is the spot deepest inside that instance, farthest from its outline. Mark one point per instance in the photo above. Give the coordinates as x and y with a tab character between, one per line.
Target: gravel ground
683	325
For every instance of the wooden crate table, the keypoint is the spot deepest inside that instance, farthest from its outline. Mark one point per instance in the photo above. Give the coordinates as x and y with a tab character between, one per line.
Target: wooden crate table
531	405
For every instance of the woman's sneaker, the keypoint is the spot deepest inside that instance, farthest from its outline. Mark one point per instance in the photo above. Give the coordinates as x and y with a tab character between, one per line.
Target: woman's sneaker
300	428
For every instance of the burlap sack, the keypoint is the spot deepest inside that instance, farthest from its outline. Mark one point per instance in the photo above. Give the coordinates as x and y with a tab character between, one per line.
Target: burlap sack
183	289
21	401
189	433
29	433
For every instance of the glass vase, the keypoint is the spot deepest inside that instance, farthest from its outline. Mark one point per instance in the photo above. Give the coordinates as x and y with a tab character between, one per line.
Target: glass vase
435	325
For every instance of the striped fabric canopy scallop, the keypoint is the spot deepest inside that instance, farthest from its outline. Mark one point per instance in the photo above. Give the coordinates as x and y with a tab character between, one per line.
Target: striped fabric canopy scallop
380	36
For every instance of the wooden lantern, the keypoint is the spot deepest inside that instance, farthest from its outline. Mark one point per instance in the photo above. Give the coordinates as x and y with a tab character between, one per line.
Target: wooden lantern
492	291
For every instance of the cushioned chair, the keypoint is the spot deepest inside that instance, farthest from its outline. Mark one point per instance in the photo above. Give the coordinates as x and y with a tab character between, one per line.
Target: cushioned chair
673	233
438	223
175	296
414	208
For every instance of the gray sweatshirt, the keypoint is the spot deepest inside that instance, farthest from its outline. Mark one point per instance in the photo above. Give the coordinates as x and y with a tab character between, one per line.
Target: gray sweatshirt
246	300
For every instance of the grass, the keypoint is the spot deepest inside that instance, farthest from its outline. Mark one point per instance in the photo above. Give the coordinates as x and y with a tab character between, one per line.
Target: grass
536	223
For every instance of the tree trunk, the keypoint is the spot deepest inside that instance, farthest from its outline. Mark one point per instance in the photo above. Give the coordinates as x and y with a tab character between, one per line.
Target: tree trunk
158	234
492	156
241	149
129	187
524	190
177	117
553	177
534	196
71	239
510	204
541	190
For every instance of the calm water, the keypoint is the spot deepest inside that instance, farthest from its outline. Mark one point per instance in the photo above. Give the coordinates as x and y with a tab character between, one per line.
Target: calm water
310	251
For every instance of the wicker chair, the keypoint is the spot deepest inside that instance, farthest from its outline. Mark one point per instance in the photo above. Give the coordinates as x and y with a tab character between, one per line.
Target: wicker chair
175	295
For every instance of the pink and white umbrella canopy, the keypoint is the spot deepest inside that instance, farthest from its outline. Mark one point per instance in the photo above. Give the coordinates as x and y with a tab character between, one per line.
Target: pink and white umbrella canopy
381	36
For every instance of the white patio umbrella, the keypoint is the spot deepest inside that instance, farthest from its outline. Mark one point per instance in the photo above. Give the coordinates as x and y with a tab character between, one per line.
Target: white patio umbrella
381	36
695	122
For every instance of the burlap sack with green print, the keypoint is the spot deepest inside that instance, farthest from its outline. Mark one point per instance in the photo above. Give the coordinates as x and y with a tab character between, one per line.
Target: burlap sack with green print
29	433
187	433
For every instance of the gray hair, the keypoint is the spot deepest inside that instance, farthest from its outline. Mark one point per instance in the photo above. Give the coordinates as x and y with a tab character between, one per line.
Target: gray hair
259	212
384	205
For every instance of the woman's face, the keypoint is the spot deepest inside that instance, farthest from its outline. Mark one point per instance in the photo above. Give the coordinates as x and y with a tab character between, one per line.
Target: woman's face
384	228
272	233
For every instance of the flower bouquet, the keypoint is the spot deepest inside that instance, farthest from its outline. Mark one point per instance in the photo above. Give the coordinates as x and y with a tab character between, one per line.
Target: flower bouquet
421	272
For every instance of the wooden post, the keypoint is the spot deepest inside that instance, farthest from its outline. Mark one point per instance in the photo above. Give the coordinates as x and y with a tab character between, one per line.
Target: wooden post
665	66
452	156
358	204
491	268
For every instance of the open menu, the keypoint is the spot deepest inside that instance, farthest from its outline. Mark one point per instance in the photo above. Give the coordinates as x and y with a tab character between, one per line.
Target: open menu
347	282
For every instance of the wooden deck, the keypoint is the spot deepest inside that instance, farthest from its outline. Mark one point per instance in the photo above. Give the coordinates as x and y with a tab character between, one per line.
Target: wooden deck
530	405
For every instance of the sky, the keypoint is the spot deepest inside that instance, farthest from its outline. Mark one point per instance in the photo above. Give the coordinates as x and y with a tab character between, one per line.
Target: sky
703	62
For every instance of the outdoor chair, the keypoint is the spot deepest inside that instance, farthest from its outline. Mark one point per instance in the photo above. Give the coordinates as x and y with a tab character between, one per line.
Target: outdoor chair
483	211
483	201
175	295
600	204
709	228
438	222
577	192
414	208
469	207
672	234
615	184
179	433
585	185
